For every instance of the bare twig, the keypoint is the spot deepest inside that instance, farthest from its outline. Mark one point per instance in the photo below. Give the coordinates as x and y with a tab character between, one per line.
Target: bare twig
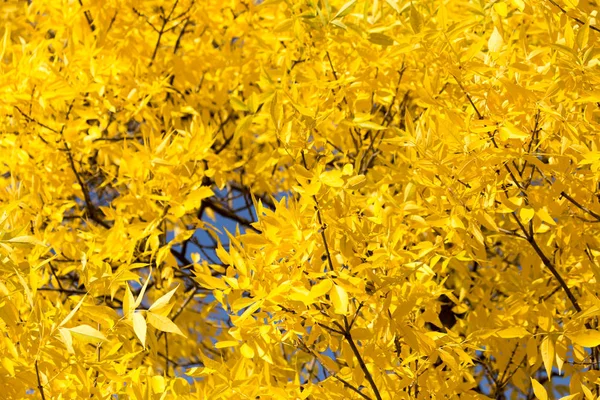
580	206
40	387
88	17
361	361
572	17
320	219
546	261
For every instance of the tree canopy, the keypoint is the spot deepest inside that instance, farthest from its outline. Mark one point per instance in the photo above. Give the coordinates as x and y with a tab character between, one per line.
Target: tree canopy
311	199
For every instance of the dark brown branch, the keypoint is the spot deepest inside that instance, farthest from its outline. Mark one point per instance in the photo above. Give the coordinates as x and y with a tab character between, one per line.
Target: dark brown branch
320	219
531	240
55	276
86	194
573	18
227	213
479	115
61	290
501	382
30	119
305	348
112	21
180	310
361	362
162	31
39	382
351	387
330	329
181	33
88	17
167	355
580	206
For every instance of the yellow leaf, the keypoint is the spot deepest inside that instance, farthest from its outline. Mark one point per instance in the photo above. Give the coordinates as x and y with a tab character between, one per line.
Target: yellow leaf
26	240
158	384
67	339
356	182
211	282
223	255
394	5
88	333
486	220
345	9
247	351
332	178
193	199
416	20
25	288
531	351
140	297
370	125
570	396
160	305
587	338
509	131
73	311
139	327
514	332
495	42
339	298
571	3
128	302
380	39
547	352
163	323
545	216
321	288
539	390
227	343
520	4
501	9
526	214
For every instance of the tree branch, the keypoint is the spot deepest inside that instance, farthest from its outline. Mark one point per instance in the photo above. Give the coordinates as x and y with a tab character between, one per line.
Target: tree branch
361	362
40	387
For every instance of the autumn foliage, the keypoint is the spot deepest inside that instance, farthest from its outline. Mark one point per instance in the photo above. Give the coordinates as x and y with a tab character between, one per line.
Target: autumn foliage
299	199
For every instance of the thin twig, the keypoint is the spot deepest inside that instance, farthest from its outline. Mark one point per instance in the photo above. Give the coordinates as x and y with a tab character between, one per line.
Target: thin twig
88	17
573	18
361	361
40	387
548	263
479	115
580	206
320	219
180	310
351	387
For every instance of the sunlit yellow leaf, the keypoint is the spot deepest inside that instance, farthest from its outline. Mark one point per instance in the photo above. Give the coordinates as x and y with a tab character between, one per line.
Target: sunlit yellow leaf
345	9
128	302
339	298
163	323
160	305
88	333
587	338
247	351
139	327
73	311
227	343
514	332
495	42
539	390
547	353
332	178
526	214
